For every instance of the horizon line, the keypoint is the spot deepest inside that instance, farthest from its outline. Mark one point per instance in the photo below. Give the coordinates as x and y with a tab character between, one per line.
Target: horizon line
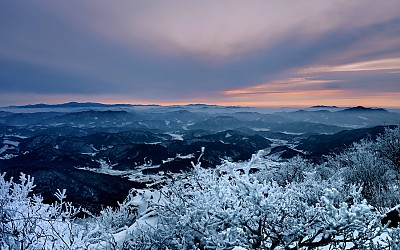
194	103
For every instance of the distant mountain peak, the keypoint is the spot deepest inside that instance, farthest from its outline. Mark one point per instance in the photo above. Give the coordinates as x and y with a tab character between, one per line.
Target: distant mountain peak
200	105
323	106
364	109
71	105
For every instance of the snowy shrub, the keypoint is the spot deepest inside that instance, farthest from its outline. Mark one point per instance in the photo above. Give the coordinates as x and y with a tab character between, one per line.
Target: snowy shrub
293	171
113	219
388	145
362	165
372	165
222	208
27	223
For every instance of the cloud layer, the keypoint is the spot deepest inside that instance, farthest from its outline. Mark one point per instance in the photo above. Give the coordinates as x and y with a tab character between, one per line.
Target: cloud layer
177	51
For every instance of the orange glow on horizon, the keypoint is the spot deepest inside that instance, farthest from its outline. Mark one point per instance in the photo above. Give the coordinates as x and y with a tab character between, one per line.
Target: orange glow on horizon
316	97
308	98
310	91
281	86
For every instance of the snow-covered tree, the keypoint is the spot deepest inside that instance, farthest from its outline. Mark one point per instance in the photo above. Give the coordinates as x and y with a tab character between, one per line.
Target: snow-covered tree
374	166
27	223
294	170
388	145
222	208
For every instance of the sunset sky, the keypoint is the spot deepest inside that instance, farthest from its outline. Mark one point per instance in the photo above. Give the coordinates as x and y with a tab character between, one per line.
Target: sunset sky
229	52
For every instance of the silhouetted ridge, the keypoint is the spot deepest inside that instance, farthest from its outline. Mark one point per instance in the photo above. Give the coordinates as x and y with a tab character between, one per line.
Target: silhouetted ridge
363	109
323	106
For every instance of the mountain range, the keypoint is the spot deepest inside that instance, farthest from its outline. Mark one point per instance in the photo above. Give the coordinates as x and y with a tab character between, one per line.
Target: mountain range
102	150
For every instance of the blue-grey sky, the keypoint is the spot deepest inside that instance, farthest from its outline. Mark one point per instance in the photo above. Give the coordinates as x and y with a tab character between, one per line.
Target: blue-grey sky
234	52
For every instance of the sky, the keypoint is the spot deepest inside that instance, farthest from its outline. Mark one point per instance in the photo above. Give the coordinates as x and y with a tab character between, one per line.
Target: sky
227	52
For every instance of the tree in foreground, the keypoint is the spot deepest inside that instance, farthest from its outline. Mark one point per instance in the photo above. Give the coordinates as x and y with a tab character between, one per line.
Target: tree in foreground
27	223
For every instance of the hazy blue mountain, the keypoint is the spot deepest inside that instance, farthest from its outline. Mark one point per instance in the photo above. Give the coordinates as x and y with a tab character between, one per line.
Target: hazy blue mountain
355	117
71	105
318	145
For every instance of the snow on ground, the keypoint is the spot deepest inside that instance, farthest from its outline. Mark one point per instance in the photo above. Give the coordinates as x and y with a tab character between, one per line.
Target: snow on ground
105	165
146	215
144	124
168	160
7	156
13	143
153	143
135	175
261	129
221	141
189	156
4	148
94	149
109	171
290	133
91	154
17	136
185	127
176	137
278	142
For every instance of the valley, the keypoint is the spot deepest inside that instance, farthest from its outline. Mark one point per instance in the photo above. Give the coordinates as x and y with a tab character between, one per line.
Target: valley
99	152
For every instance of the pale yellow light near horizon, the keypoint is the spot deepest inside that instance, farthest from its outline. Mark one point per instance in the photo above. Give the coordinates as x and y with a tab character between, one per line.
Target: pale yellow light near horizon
281	86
